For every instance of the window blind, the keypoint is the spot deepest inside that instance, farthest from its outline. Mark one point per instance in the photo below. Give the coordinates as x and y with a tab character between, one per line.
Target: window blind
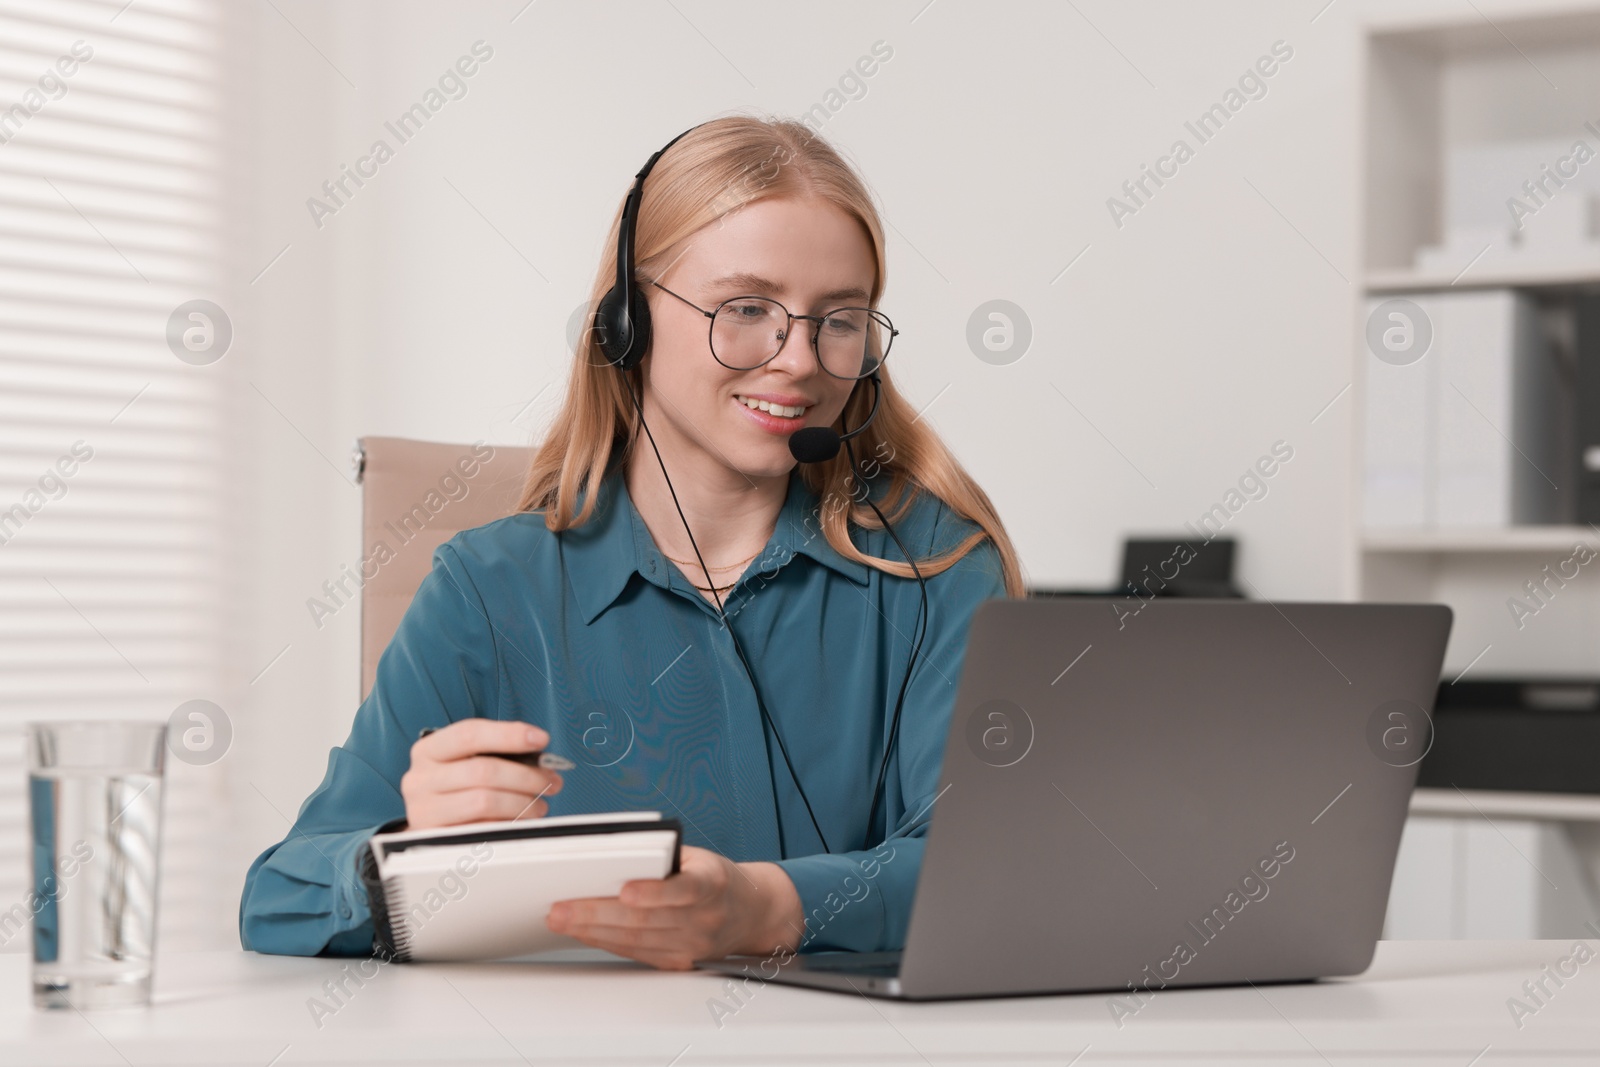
113	450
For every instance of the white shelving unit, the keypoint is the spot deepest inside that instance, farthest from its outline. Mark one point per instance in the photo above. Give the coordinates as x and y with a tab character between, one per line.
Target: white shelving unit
1406	279
1474	539
1480	864
1494	804
1432	88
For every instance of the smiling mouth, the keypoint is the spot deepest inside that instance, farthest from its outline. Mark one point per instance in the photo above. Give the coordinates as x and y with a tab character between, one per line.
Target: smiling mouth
778	410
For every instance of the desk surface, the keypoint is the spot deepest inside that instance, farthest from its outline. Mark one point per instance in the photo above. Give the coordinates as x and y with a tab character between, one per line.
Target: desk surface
1439	1002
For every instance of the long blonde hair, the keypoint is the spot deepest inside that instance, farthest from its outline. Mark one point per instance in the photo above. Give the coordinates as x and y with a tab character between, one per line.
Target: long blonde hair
713	170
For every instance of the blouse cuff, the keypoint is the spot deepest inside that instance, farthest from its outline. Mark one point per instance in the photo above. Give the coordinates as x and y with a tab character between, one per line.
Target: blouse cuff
856	901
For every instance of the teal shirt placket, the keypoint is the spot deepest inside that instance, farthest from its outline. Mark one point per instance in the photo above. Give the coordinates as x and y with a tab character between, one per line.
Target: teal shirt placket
753	806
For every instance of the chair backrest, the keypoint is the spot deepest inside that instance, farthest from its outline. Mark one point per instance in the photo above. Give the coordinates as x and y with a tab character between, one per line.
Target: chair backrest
416	495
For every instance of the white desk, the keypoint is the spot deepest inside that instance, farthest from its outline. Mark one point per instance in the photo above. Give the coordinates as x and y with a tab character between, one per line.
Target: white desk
1435	1002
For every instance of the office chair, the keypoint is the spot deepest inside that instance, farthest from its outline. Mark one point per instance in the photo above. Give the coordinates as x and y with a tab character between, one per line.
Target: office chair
396	477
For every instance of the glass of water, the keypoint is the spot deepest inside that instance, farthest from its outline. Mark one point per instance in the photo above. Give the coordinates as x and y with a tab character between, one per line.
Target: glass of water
94	797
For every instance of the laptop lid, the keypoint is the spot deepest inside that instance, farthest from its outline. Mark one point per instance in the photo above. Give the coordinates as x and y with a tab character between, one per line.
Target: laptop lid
1204	792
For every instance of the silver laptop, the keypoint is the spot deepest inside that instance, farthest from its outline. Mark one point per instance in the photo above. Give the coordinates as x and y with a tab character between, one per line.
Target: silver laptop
1203	793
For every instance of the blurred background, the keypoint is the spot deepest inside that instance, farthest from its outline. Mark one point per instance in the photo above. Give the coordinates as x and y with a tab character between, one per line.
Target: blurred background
1372	258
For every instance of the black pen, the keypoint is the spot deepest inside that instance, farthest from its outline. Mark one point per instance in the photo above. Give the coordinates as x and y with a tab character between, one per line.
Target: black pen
545	760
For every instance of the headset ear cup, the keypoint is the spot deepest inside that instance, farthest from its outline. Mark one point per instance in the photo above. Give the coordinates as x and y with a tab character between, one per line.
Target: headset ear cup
610	326
622	339
639	343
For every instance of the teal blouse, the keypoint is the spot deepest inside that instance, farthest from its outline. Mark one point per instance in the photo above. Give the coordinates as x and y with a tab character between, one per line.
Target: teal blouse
593	635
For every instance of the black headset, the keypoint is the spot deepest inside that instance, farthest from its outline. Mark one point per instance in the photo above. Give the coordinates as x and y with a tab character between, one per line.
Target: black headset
622	319
621	325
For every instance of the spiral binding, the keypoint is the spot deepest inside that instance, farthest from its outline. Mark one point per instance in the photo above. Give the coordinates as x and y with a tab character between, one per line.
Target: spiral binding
383	941
399	929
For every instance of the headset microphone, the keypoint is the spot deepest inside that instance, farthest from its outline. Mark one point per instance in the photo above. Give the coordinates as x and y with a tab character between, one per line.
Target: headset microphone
818	444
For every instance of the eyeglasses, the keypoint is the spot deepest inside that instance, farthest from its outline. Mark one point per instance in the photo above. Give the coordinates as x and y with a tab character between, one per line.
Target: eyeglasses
749	331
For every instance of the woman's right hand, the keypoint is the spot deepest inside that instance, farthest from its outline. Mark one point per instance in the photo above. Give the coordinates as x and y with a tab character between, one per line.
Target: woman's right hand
453	781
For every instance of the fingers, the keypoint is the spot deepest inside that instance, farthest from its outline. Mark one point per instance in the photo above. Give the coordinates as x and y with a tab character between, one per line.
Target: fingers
674	892
700	874
454	777
468	737
666	922
475	789
609	911
661	937
665	949
475	805
491	772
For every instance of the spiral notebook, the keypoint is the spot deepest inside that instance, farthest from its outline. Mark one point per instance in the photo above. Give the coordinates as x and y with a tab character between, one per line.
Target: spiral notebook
481	891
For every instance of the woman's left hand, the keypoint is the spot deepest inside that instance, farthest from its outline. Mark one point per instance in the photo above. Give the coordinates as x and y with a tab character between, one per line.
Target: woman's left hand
712	907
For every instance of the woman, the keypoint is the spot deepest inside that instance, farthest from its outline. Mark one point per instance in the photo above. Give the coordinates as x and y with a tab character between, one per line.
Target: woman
728	646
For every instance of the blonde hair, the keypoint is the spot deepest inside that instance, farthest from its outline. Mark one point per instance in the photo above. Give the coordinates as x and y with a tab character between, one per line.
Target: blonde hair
716	169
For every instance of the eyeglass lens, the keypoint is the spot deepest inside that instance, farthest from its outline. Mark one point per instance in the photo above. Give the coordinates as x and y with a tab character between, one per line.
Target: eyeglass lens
747	332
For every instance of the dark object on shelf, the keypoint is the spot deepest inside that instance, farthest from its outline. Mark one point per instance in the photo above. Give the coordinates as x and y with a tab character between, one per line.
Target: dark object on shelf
1525	736
1586	346
1156	567
1039	591
1179	567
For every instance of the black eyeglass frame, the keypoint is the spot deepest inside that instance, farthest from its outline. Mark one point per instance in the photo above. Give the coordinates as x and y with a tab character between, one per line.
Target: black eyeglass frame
880	317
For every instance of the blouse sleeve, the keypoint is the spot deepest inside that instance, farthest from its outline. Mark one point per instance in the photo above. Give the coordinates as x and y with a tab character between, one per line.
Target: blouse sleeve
861	901
302	896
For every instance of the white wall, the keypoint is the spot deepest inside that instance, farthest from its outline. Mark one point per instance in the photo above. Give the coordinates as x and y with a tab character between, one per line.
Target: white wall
1215	321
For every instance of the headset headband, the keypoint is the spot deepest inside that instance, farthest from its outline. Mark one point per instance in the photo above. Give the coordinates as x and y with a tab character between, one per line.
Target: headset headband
622	319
